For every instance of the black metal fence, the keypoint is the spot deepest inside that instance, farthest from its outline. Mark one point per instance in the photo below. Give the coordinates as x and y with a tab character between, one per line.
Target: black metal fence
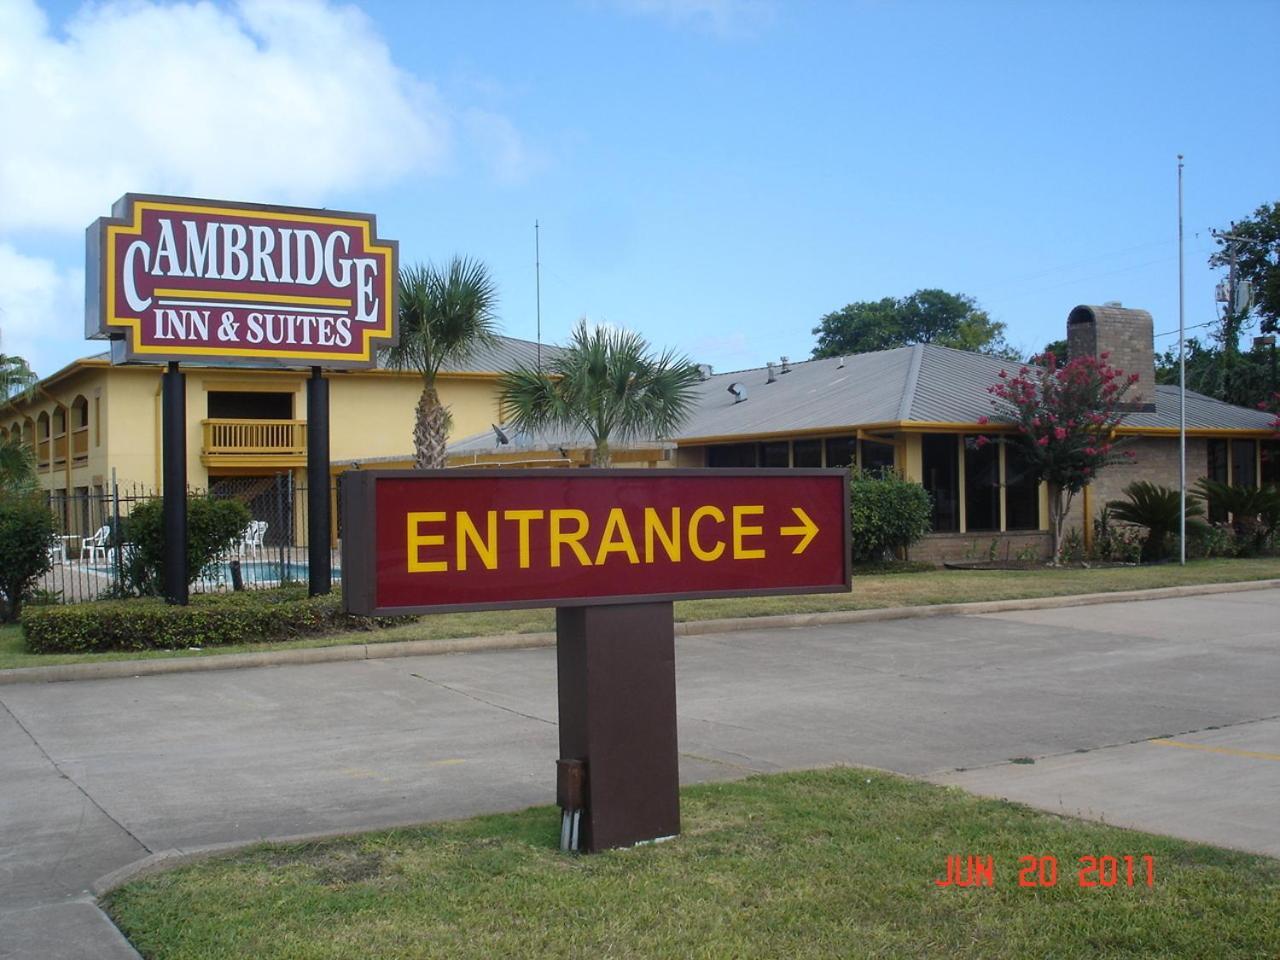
91	552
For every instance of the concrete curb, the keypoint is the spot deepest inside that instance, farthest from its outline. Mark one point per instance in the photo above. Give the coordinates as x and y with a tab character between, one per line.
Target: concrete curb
417	648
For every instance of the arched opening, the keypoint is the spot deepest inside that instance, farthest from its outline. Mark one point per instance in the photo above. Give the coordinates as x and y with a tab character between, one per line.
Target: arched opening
42	439
80	428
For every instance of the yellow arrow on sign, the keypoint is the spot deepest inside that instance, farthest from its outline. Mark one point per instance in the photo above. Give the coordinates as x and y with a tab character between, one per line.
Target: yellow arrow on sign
807	529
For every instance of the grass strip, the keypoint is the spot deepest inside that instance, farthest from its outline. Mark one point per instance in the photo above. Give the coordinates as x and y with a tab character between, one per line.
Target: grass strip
831	863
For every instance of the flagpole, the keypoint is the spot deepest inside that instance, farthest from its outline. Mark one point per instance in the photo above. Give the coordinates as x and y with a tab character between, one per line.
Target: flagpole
1182	387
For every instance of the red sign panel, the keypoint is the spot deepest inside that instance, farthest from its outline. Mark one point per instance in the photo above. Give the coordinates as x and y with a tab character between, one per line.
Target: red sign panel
418	541
182	279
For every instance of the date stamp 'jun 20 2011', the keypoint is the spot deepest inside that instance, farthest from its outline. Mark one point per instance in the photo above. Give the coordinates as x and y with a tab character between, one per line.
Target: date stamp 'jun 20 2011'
1042	871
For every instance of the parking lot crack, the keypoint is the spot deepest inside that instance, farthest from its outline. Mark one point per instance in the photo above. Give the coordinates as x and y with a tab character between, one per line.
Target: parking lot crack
487	703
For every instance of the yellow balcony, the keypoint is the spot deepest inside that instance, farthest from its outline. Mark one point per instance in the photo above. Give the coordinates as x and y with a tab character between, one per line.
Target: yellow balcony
254	443
80	444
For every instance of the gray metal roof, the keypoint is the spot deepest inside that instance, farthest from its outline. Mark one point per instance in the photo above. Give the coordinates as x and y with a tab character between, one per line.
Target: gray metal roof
922	384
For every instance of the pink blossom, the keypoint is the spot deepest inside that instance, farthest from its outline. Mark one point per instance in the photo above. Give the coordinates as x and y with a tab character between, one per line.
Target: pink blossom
1086	471
1059	433
1130	455
1043	441
982	442
983	421
1090	451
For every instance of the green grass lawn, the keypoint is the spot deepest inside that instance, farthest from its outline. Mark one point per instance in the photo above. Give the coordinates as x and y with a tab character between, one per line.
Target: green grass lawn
869	591
831	863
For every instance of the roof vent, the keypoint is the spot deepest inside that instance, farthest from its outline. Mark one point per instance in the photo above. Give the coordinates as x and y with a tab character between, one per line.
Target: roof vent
704	371
739	392
1113	303
786	365
840	365
772	376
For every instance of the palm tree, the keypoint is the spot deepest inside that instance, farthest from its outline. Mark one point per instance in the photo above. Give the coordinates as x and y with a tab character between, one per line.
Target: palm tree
606	383
1158	509
17	461
445	316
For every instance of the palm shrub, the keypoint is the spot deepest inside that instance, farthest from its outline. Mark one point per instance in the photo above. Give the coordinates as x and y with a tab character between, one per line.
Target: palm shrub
606	383
887	514
446	315
1254	511
1159	509
26	533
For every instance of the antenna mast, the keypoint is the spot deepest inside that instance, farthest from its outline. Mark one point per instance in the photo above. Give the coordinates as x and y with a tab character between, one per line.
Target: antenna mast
537	279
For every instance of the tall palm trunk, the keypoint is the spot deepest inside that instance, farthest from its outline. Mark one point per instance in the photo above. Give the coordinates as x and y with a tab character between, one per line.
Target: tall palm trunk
430	430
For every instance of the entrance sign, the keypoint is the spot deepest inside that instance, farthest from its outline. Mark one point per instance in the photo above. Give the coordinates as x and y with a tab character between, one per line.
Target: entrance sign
422	541
177	279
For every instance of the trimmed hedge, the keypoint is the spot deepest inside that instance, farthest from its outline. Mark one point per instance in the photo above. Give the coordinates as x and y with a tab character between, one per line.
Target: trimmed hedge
210	620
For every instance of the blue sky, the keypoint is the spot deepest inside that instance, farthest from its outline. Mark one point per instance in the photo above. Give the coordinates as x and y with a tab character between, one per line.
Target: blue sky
714	174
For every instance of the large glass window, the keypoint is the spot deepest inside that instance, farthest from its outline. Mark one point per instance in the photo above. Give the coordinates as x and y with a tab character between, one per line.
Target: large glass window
981	485
941	463
877	456
1270	461
1021	490
1244	463
806	453
776	453
732	455
1216	469
840	451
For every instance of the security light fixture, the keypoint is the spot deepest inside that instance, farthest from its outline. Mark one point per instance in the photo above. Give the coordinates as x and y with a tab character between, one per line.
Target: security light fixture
503	439
739	392
786	365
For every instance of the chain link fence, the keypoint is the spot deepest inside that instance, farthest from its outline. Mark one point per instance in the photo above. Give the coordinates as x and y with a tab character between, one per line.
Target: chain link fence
89	555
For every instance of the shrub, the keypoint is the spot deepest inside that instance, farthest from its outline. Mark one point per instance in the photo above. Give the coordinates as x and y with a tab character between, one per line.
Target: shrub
212	526
210	620
26	531
1255	512
1158	509
888	514
1115	542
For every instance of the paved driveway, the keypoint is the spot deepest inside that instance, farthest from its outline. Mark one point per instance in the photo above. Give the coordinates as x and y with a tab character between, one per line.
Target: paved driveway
96	774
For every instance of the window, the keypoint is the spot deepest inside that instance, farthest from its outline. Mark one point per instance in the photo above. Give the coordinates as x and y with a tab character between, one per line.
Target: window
876	456
840	451
806	453
981	485
1270	461
776	453
1021	490
246	405
1216	469
1244	463
941	478
732	455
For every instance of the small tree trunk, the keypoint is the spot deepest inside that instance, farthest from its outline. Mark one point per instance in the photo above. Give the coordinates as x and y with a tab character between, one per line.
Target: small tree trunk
430	430
603	457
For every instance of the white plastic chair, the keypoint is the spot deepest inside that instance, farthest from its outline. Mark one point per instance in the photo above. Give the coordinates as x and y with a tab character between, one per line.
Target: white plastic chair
259	537
91	547
253	540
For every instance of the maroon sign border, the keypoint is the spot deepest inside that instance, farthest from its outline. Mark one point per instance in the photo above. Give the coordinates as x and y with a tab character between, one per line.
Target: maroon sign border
359	545
97	305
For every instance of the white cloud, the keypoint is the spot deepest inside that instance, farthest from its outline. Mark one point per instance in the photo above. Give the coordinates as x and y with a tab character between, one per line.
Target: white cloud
271	99
721	17
41	310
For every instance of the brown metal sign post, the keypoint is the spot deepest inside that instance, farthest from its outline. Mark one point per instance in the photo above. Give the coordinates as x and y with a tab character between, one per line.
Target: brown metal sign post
610	550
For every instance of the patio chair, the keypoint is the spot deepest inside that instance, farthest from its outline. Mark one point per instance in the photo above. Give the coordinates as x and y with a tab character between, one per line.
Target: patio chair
253	540
92	547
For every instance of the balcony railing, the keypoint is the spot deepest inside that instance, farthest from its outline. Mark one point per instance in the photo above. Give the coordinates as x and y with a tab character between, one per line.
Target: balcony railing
276	440
80	443
60	448
42	454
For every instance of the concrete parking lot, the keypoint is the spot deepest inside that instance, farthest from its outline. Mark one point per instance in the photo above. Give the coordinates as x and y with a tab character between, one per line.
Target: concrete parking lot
1156	714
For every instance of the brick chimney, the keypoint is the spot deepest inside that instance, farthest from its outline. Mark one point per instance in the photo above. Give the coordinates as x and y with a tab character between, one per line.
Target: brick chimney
1127	336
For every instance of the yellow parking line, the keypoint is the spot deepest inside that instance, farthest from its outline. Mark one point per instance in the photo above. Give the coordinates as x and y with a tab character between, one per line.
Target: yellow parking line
1229	751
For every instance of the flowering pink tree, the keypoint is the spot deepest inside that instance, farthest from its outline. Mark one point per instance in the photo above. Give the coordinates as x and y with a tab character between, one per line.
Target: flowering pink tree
1065	418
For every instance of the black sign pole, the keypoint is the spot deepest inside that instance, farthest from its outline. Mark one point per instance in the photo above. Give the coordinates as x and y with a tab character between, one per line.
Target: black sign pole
174	443
319	564
616	679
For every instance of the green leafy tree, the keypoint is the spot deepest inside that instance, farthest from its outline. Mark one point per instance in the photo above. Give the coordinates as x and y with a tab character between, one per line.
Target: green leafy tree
1059	350
1253	246
1243	378
887	514
1159	509
927	316
607	383
212	526
445	316
1064	418
26	533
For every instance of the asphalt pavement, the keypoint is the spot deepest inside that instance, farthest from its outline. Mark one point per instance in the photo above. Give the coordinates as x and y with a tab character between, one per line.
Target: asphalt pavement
1160	715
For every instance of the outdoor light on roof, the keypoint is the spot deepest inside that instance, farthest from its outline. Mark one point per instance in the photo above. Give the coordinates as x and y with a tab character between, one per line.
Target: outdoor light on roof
772	377
739	392
503	439
786	365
